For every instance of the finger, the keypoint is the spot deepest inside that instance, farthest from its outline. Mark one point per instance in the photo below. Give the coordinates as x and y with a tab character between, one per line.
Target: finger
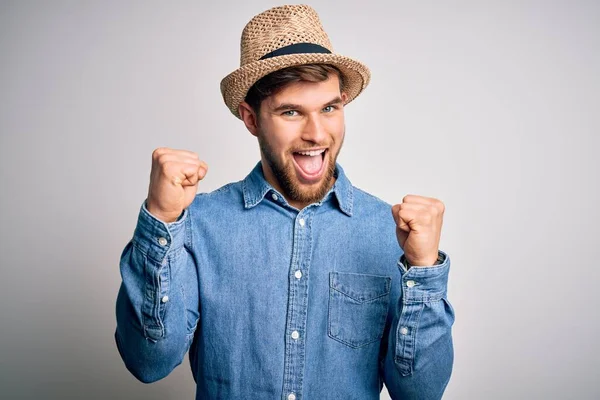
403	225
420	207
428	211
188	175
436	206
399	218
395	210
200	173
186	153
170	157
202	170
204	165
415	199
409	206
408	217
160	151
173	166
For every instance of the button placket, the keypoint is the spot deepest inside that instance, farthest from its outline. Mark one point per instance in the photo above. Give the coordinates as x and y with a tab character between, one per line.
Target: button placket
297	302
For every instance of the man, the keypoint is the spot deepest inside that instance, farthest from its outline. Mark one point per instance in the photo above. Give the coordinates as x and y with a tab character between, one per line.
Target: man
291	283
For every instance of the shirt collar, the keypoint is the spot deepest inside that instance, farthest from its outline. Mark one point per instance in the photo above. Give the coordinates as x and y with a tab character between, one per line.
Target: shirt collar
255	187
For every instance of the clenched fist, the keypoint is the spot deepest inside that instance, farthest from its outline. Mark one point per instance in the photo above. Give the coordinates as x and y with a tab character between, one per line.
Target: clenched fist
418	228
173	182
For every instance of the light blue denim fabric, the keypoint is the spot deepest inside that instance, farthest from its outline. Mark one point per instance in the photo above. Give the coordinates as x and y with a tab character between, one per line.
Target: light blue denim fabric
272	301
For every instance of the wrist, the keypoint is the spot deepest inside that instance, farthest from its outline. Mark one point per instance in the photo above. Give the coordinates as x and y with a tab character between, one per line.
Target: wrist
162	216
424	262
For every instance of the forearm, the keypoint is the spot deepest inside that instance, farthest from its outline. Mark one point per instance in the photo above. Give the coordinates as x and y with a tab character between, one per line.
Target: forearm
420	354
155	316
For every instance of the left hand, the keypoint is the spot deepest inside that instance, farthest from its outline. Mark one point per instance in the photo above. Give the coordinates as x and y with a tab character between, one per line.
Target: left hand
418	228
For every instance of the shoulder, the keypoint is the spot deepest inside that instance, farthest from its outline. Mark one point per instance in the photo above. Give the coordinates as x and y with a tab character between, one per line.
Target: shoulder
368	200
227	196
368	207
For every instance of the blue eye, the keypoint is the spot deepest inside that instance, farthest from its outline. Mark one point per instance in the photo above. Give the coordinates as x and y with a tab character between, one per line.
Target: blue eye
329	109
289	113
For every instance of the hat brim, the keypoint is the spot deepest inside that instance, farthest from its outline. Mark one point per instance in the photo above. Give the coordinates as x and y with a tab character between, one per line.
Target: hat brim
235	86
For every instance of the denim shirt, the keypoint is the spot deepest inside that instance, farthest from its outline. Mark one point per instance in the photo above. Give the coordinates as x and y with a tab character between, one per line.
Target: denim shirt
278	303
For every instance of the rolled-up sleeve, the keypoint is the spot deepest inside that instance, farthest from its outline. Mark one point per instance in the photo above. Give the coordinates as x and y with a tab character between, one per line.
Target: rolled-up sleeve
419	356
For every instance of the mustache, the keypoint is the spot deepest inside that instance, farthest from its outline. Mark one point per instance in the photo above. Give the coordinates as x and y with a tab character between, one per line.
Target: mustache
326	150
315	146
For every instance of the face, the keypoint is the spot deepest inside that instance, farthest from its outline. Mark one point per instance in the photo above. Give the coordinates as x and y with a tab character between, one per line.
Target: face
300	131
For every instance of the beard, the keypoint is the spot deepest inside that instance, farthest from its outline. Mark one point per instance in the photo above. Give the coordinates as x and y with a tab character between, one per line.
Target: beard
285	174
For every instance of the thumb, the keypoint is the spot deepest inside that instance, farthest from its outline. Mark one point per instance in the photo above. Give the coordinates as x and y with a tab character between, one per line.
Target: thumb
202	170
400	223
196	175
401	236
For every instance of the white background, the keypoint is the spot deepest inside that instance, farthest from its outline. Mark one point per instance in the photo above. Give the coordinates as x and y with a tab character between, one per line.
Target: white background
492	107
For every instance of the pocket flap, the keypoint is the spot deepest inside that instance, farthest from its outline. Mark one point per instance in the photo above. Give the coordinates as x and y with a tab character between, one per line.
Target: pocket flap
360	287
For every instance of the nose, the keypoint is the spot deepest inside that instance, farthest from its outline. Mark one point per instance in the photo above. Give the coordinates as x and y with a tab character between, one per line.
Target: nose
314	129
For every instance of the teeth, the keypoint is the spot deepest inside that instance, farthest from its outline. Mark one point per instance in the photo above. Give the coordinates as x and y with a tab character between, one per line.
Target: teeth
311	153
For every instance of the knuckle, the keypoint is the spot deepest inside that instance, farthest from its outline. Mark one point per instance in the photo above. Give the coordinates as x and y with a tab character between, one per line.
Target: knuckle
411	198
167	158
159	151
168	166
441	207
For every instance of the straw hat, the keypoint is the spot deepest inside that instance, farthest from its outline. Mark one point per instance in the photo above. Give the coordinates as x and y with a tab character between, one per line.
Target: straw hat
282	37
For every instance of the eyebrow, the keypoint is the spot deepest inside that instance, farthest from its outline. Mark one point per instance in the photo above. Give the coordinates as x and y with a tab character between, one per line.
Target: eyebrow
290	106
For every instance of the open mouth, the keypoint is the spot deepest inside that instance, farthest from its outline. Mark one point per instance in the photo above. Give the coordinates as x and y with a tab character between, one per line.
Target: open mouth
310	164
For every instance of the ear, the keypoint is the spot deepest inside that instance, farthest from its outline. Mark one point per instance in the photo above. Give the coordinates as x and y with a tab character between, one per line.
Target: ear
344	97
249	117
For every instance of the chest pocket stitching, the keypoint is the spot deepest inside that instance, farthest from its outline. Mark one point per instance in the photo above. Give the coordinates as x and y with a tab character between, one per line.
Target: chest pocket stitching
336	283
357	314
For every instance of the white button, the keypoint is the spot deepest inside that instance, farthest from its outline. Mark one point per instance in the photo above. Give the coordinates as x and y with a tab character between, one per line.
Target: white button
291	396
162	241
404	330
274	196
301	221
295	335
410	283
165	299
298	274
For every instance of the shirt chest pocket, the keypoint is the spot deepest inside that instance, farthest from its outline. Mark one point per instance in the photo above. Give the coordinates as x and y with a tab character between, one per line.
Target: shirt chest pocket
358	305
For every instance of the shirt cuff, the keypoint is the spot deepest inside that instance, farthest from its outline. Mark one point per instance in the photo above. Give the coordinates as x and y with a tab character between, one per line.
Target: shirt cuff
406	265
156	238
424	284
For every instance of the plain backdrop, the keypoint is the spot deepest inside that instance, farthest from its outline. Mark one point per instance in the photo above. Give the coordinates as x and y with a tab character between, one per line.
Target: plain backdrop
491	106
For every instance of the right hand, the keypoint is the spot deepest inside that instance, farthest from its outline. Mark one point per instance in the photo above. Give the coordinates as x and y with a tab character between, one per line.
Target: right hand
173	182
